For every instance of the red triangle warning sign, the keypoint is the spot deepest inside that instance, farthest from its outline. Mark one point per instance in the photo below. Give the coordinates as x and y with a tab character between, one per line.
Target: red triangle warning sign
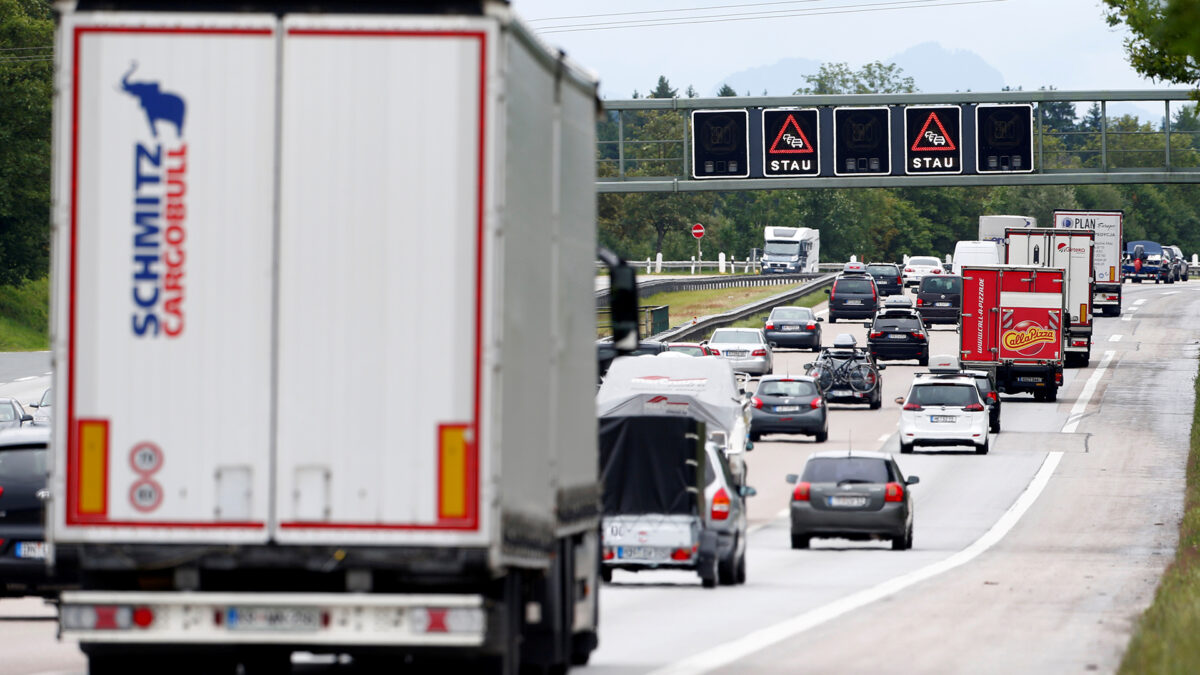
933	139
791	139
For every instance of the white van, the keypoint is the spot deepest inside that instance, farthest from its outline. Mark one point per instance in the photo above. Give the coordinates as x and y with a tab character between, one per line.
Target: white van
975	253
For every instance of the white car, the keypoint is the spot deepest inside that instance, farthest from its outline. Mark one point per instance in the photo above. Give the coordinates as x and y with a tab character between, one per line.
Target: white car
746	349
918	266
943	409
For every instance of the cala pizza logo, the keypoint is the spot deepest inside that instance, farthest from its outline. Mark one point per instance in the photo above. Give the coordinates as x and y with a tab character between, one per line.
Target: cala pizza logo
1025	335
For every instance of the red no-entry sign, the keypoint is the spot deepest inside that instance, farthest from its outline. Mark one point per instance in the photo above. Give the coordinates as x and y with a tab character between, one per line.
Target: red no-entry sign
698	230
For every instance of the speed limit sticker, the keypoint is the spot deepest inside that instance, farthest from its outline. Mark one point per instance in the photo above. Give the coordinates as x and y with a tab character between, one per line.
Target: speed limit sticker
145	458
145	495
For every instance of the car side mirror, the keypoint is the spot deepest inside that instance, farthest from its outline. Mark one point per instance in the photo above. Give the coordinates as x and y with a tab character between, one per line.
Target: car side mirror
774	345
827	291
749	446
881	366
792	478
26	418
35	405
622	302
912	480
820	320
747	491
899	400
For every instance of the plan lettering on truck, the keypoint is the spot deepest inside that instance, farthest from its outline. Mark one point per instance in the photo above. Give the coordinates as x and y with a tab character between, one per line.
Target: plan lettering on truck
207	231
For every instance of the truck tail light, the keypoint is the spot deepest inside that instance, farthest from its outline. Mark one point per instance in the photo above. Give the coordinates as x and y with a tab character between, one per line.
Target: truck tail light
720	505
143	617
96	617
801	493
894	492
1058	378
758	352
756	402
913	406
816	403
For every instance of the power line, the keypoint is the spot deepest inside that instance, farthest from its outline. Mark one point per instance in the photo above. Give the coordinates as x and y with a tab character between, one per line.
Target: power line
844	9
23	49
669	11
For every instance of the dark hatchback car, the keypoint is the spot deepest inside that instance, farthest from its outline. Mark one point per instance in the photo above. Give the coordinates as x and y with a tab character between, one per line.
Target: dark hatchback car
794	327
985	382
852	495
939	298
24	466
888	279
788	405
853	296
898	334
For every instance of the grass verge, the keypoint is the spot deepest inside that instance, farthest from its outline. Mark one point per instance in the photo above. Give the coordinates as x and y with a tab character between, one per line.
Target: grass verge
25	316
1166	638
687	305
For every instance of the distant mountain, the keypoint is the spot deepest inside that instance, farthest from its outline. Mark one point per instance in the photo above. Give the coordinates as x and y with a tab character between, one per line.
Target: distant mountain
934	68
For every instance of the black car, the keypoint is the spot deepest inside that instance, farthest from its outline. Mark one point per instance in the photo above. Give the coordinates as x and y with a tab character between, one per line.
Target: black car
898	334
794	327
985	382
24	467
847	373
788	405
852	495
853	296
939	298
888	280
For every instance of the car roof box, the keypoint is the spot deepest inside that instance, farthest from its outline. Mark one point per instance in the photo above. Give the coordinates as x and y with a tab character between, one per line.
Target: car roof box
944	363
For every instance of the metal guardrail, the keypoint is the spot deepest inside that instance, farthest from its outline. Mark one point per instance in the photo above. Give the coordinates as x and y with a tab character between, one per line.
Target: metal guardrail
700	328
653	286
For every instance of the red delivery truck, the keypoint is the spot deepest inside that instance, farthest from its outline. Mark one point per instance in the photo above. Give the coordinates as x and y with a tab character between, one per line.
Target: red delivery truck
1012	325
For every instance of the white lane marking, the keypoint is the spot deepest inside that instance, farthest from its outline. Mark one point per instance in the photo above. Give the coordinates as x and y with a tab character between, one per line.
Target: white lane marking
1115	338
785	513
884	437
1169	293
730	652
47	374
1139	301
1085	396
25	379
1127	317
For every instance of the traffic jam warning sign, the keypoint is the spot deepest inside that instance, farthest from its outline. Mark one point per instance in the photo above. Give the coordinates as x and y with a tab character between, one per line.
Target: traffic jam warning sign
790	142
933	139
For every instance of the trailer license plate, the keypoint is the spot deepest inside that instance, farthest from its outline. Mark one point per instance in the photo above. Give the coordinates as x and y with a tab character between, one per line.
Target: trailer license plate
642	552
31	549
1029	379
786	408
939	419
848	501
273	618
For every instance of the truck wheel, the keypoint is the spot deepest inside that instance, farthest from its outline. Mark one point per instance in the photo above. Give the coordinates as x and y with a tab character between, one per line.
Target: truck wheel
1085	360
1052	394
1039	395
799	541
582	646
267	663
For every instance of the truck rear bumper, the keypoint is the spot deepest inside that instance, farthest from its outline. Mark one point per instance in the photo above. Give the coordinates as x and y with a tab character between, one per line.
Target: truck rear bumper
302	619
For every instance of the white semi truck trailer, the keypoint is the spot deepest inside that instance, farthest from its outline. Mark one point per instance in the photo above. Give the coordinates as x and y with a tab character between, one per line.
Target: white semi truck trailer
287	423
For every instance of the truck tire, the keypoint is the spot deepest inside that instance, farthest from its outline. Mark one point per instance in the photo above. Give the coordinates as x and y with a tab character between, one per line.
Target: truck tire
1052	394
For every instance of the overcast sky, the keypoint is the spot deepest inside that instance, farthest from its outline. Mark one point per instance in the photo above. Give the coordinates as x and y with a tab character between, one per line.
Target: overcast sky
1061	43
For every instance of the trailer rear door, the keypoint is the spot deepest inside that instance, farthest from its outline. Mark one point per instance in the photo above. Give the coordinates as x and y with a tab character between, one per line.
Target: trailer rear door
980	318
1031	314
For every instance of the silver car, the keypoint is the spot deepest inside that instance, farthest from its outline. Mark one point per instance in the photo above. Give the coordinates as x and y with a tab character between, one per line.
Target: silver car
42	416
12	415
746	349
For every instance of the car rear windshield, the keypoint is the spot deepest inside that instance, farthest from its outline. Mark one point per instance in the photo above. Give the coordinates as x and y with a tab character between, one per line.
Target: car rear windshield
840	469
953	395
787	388
734	337
853	286
900	325
925	262
23	463
941	285
792	314
690	351
883	270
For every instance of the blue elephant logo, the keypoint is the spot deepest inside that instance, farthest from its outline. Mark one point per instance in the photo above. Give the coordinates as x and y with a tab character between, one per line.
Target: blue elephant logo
158	104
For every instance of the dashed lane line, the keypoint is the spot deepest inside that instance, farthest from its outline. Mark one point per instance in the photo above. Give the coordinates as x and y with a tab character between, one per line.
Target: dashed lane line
1085	396
1115	338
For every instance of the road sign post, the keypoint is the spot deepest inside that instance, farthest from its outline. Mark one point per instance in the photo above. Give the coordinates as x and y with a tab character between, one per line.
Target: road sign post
862	141
1004	138
791	144
932	139
720	144
698	233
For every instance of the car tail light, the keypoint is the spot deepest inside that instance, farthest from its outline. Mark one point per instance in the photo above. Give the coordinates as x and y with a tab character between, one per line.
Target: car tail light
816	403
876	334
974	407
919	336
1	490
894	492
936	271
609	554
715	351
874	295
681	554
920	302
758	352
800	494
908	269
811	326
720	505
913	406
756	402
770	326
992	395
143	617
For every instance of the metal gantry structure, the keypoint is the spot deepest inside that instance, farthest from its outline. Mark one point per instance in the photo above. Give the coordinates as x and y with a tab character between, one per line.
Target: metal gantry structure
645	145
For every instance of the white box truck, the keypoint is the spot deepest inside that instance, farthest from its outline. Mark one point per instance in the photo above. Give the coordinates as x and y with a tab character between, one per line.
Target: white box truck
1108	226
992	228
790	250
1072	251
288	424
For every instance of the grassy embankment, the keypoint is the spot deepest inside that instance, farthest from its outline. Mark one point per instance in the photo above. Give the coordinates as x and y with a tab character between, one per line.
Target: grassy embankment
25	316
688	305
1167	637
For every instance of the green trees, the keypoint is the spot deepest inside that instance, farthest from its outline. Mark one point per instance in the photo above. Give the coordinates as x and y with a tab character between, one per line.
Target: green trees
26	92
1164	41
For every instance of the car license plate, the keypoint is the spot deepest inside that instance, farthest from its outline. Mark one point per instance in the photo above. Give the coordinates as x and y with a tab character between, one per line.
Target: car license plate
642	552
737	353
791	327
942	418
786	408
941	304
273	618
31	549
897	336
840	392
1029	379
854	302
847	501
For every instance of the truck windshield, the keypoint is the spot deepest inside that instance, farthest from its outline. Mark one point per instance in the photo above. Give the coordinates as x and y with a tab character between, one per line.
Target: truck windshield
782	248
